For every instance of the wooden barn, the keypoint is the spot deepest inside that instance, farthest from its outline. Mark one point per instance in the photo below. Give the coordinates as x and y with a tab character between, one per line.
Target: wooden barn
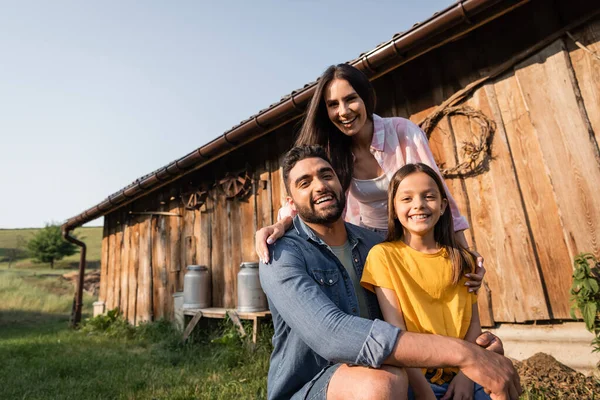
509	92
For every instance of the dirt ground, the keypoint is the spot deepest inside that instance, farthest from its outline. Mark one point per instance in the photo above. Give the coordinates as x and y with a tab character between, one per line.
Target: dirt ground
91	281
543	375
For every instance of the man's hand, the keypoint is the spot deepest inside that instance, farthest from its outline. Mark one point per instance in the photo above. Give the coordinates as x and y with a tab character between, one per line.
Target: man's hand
492	371
490	342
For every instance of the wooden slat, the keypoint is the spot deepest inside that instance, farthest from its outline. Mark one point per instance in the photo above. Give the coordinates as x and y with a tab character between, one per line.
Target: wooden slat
500	227
227	256
273	197
568	152
144	295
233	251
104	263
134	263
218	228
110	287
220	312
203	232
587	71
125	265
197	236
205	228
247	224
538	196
174	261
188	244
118	251
159	264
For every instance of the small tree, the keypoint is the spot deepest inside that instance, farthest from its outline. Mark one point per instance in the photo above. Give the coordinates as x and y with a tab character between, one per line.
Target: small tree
48	245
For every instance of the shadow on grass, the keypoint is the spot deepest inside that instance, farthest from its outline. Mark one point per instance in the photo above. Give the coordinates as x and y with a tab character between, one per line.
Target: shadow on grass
22	324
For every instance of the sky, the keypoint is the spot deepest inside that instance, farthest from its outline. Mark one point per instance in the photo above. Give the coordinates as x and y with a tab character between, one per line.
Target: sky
95	94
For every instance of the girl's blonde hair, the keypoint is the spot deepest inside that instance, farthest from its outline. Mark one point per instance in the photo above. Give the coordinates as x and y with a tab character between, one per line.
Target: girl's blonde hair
463	261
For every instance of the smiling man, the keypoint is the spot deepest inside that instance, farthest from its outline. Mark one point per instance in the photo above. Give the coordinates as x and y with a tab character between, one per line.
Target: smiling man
330	341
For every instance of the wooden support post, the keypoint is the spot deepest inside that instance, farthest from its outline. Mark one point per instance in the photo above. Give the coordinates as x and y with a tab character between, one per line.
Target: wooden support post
191	325
254	329
236	320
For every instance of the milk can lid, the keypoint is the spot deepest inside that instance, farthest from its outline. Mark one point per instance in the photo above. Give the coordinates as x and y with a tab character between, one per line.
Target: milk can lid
197	268
249	265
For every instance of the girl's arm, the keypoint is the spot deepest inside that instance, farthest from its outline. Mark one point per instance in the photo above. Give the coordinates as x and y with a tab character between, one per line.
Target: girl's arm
475	327
392	313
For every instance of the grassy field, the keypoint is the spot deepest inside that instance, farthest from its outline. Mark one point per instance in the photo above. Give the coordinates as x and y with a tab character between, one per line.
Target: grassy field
43	359
11	238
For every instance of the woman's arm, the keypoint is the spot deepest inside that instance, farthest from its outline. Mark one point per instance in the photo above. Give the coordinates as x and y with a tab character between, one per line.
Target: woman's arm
392	313
268	235
476	278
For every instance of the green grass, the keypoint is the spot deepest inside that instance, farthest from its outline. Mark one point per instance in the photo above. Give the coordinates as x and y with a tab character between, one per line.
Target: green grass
9	239
43	359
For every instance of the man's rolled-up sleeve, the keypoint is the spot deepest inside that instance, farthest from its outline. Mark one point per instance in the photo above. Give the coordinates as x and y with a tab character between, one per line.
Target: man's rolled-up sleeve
327	330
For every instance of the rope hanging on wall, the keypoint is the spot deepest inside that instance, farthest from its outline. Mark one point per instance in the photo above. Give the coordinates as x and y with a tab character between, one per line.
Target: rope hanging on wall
476	154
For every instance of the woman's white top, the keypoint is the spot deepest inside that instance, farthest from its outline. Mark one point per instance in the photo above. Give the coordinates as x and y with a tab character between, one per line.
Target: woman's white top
372	199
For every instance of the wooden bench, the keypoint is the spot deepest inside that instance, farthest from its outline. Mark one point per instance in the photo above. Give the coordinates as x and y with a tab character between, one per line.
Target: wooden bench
234	315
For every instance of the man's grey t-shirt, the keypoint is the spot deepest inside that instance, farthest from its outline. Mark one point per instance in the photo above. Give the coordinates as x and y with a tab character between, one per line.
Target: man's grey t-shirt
344	254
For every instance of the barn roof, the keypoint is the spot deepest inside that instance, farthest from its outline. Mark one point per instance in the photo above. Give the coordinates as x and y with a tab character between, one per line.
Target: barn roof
442	27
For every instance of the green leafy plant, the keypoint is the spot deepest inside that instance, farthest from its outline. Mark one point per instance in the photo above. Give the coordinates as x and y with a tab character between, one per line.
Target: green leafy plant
585	293
111	324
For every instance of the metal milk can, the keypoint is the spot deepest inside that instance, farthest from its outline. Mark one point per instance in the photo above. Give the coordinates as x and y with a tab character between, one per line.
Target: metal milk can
251	297
196	287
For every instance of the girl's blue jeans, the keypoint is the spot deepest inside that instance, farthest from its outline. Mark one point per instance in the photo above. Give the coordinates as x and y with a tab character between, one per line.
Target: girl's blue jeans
440	390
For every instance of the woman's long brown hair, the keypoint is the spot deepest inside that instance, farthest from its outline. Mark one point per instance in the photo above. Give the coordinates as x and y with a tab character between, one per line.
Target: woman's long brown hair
463	261
317	128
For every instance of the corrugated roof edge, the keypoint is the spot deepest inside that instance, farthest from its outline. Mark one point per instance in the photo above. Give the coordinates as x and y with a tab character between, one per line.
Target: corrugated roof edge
466	14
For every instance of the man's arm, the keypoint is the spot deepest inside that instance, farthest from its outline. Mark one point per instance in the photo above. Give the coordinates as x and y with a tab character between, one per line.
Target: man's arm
331	333
492	371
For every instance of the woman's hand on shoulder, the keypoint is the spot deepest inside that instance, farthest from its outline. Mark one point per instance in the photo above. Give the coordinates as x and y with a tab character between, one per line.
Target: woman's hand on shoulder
476	278
268	235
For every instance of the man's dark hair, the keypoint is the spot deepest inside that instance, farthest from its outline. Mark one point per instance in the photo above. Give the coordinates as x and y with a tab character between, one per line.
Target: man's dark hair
300	153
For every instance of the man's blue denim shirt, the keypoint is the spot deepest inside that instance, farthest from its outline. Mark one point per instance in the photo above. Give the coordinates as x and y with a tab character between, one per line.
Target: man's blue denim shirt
315	310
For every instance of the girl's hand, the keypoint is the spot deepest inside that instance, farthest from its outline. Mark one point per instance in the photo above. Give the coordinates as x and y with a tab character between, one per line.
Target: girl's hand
268	235
461	388
476	278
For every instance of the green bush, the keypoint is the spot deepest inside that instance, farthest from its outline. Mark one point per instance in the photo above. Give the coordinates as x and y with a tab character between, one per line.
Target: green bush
585	293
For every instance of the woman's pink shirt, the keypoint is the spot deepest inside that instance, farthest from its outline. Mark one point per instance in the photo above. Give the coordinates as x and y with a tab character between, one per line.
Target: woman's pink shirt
396	142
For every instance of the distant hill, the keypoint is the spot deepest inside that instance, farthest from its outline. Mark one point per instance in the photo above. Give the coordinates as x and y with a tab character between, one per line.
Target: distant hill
9	248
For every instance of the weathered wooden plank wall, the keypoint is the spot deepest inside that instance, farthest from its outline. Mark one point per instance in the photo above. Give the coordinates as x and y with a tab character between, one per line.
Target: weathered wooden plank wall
530	212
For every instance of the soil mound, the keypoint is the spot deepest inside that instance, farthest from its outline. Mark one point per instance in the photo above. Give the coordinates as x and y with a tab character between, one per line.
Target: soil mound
543	375
91	280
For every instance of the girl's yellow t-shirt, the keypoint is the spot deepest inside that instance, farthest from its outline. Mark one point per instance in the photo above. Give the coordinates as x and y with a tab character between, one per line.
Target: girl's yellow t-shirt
430	302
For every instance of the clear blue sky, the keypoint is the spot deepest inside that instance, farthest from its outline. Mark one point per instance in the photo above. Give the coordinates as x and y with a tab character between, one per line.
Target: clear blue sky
96	94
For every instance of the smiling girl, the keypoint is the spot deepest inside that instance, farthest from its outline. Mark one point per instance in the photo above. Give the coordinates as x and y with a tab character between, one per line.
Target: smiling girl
418	275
